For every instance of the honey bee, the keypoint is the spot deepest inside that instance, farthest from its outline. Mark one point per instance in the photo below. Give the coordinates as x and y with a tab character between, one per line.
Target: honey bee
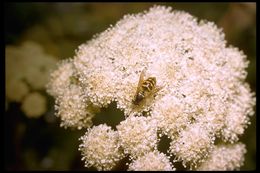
145	89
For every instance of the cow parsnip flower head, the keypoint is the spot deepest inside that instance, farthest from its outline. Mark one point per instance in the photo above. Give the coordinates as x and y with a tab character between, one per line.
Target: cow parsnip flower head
202	94
192	145
73	109
60	78
137	135
100	147
152	161
72	105
224	158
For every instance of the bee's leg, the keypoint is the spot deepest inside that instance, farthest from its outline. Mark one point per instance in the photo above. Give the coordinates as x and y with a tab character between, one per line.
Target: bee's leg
155	91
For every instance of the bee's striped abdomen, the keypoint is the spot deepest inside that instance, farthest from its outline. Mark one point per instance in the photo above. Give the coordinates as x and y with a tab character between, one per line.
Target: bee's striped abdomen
149	84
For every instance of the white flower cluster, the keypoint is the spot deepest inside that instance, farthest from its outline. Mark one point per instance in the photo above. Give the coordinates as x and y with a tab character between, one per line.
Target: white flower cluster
202	92
72	105
27	72
100	147
137	135
152	161
192	145
224	158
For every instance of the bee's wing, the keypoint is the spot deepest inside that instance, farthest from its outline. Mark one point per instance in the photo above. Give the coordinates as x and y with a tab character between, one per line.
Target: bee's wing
141	79
156	90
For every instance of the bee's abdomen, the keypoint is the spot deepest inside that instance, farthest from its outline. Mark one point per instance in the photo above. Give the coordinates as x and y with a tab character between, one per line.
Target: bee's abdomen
149	84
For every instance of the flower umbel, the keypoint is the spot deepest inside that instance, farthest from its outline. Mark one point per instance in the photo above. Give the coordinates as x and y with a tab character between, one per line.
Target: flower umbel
152	161
100	147
202	96
225	157
137	135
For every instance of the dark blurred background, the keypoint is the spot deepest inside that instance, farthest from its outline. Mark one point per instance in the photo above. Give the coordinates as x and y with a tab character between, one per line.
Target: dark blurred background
39	143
